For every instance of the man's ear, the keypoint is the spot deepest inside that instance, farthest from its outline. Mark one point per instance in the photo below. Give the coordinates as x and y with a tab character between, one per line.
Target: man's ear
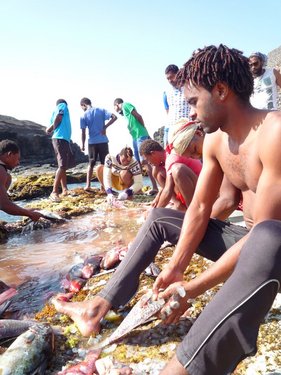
221	91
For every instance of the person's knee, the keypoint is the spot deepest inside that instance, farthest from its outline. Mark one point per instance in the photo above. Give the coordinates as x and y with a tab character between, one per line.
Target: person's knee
92	163
267	233
181	172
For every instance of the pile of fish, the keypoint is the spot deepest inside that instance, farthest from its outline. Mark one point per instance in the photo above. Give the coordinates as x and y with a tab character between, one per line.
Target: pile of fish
78	275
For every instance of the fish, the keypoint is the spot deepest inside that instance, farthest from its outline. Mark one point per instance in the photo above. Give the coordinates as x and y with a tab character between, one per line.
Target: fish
91	266
29	353
86	367
152	270
51	215
143	310
6	293
113	257
14	328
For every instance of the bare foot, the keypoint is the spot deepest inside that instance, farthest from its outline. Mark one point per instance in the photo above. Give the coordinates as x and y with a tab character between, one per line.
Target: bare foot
87	314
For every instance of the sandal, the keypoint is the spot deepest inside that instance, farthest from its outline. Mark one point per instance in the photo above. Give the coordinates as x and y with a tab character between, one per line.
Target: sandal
54	198
152	192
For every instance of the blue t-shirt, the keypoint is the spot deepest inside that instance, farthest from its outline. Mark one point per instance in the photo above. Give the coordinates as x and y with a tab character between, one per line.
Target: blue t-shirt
94	119
63	131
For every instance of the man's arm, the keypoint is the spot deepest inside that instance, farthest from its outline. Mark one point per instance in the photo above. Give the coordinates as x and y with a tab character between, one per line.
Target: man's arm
138	117
56	123
113	118
196	217
167	192
277	76
83	139
268	197
12	209
227	202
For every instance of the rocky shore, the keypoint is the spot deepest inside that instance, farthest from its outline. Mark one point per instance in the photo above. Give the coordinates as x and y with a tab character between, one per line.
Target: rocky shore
160	341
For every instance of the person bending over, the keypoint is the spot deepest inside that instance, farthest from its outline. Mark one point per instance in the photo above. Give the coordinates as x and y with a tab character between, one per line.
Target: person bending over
121	172
9	159
176	174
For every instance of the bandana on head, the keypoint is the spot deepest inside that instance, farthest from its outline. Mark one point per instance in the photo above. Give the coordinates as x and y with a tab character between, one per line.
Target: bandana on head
260	56
182	135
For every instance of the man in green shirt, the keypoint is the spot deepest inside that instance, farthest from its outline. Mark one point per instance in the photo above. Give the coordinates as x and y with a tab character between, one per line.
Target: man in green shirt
138	132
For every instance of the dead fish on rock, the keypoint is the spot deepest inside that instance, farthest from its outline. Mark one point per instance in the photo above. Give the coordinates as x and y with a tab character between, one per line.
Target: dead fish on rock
51	215
29	353
14	328
113	257
86	367
144	309
78	275
152	270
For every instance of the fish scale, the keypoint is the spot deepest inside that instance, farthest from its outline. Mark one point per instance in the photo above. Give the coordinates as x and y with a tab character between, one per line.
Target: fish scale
144	309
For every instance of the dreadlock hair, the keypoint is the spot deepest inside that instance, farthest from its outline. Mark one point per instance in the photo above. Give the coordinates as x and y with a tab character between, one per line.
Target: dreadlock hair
211	65
148	146
8	146
126	151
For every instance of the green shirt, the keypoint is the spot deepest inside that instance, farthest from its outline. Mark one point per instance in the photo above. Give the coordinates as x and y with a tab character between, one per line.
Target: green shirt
136	129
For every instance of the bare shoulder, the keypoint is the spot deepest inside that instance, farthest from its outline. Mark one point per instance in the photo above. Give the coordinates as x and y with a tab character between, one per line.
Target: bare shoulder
213	142
271	123
270	134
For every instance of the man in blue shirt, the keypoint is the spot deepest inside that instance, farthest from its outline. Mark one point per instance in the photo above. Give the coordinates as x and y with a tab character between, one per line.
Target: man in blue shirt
94	119
61	133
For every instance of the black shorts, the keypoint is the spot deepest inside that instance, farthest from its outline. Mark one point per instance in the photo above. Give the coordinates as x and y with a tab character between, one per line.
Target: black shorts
64	155
97	151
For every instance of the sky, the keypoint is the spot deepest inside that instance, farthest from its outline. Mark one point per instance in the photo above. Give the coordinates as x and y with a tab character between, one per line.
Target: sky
106	49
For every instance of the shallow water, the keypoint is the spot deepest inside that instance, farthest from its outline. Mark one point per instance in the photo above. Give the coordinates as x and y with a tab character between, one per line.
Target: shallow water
37	260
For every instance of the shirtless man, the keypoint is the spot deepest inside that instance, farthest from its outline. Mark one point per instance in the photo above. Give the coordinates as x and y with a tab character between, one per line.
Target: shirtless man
9	159
243	143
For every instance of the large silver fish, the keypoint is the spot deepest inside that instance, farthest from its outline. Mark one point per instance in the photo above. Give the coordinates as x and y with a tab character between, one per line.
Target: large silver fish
51	215
29	352
144	309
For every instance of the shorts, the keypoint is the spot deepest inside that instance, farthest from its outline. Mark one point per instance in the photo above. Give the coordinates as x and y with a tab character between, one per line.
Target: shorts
97	151
136	146
63	152
117	182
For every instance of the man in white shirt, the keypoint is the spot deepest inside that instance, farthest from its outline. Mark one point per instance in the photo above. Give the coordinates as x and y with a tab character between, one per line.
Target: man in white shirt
266	81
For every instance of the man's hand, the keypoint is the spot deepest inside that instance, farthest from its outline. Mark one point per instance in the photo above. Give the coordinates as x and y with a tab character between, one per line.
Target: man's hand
34	215
110	199
177	302
167	277
122	196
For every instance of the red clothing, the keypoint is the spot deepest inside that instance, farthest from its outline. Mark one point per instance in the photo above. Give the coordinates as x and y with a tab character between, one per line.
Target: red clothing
194	164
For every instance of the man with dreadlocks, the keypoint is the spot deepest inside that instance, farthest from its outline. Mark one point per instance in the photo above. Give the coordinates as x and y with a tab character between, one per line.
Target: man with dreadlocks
242	143
266	82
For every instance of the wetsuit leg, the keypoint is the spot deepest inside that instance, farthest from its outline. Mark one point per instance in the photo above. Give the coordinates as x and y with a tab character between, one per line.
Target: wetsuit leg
227	329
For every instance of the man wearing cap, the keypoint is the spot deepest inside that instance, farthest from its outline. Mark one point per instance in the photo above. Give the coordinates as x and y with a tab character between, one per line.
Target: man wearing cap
266	81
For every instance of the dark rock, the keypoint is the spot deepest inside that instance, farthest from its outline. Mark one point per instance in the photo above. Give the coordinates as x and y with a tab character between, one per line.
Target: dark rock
35	145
